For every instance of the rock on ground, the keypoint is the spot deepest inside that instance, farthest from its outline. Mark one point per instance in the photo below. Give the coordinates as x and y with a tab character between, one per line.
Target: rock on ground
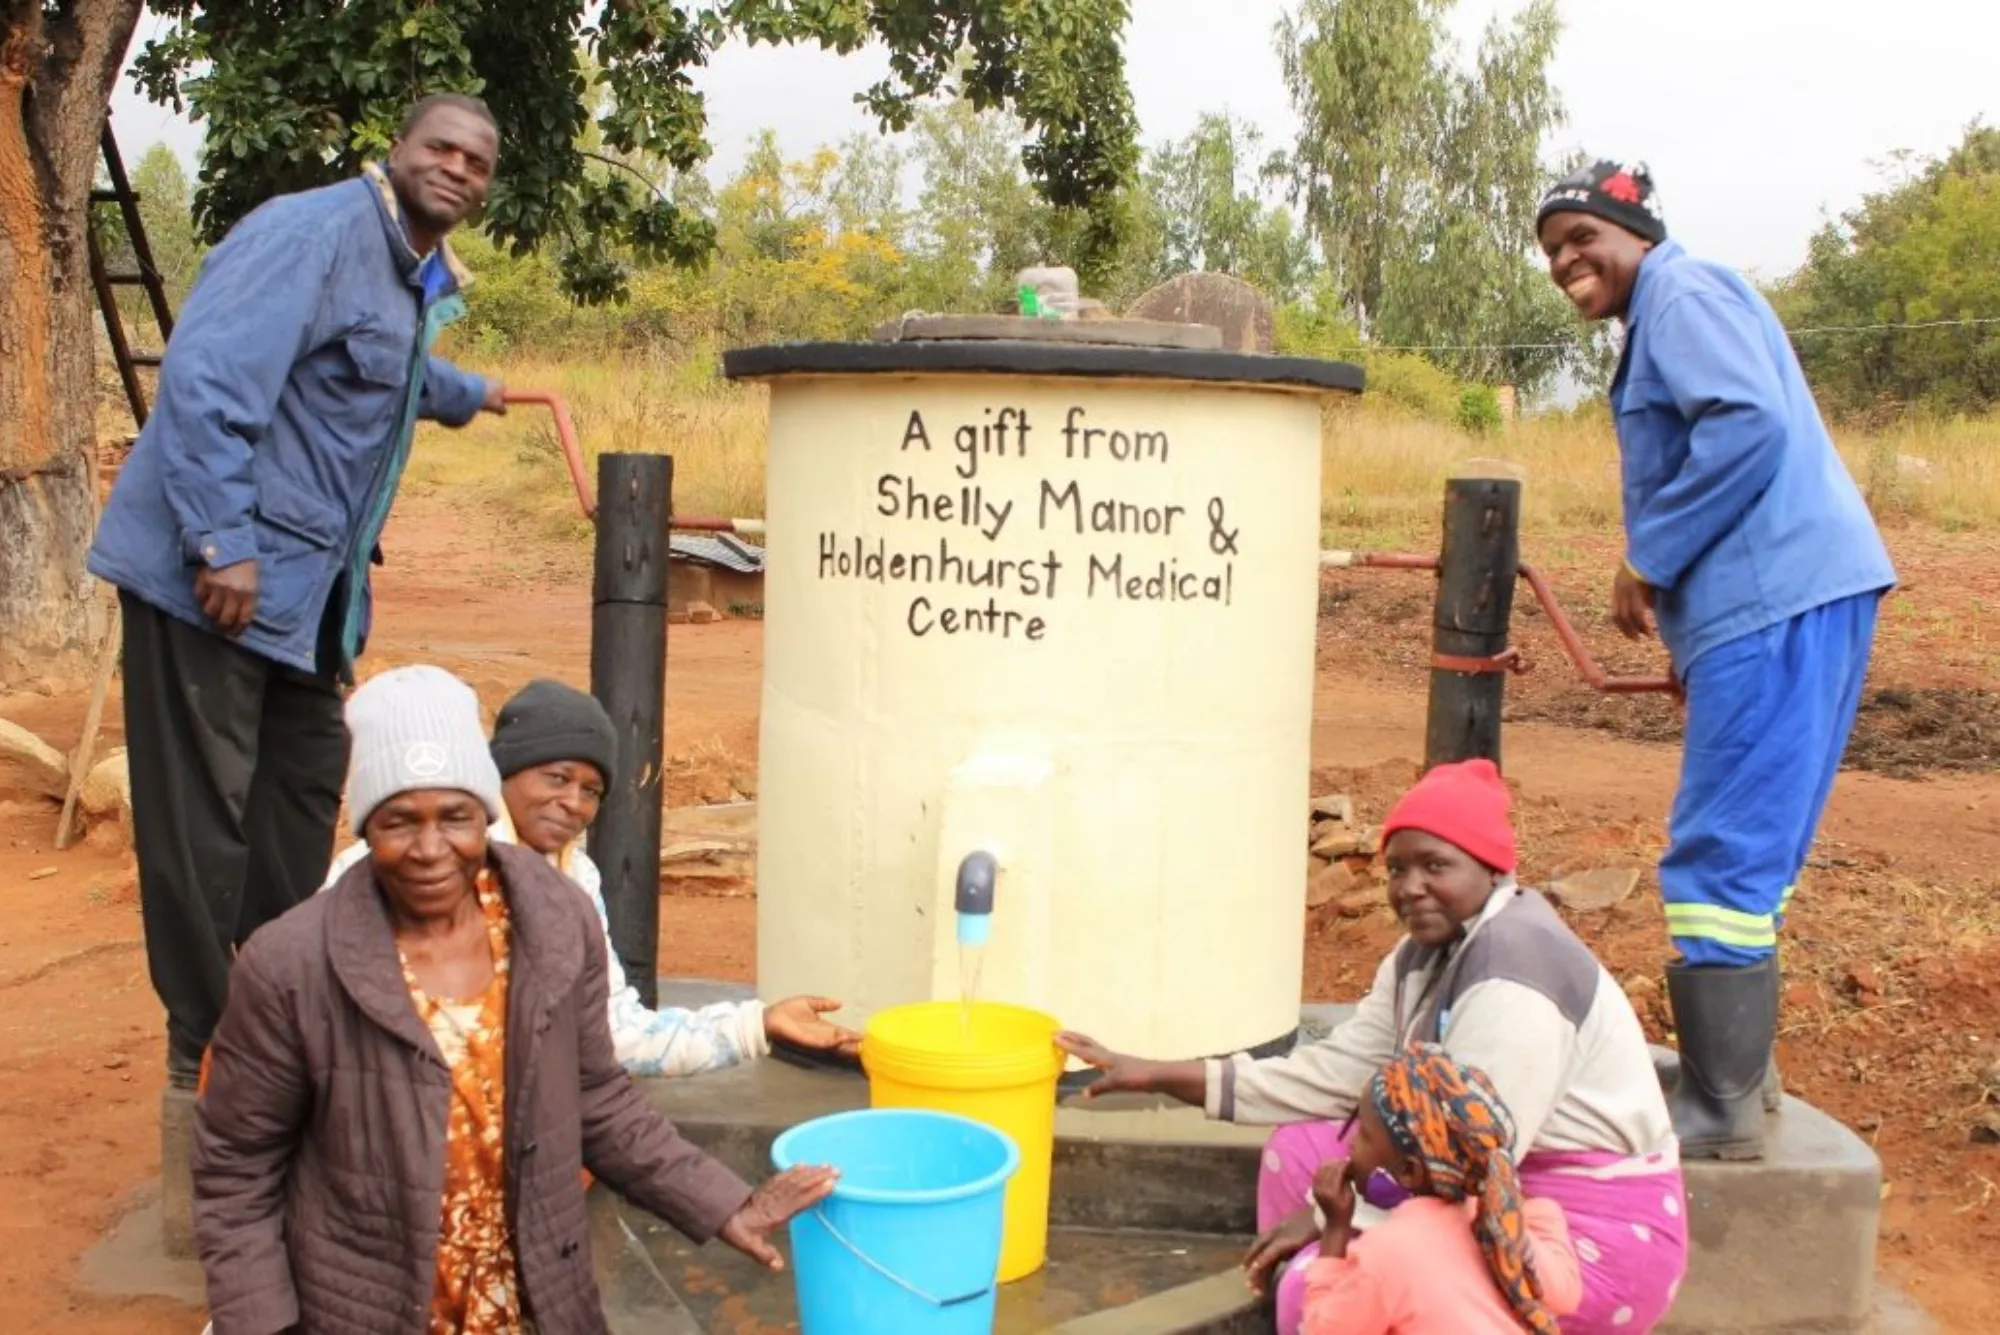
30	764
107	790
1585	891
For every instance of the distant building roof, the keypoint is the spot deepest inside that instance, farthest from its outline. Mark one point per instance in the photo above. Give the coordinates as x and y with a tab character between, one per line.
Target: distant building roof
718	549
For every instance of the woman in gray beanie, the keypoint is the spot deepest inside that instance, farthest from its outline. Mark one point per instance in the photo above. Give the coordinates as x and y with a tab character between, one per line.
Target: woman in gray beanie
413	1073
556	750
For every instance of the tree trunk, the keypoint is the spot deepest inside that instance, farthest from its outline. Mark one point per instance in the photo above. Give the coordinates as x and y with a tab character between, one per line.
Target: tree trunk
56	76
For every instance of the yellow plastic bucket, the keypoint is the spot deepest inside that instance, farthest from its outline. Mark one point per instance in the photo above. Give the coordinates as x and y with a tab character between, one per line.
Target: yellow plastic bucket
999	1065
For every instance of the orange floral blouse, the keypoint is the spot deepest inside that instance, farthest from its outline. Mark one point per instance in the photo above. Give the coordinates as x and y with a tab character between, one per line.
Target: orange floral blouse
475	1291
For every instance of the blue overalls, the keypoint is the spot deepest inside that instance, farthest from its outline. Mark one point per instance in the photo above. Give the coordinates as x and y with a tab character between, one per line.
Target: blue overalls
1768	571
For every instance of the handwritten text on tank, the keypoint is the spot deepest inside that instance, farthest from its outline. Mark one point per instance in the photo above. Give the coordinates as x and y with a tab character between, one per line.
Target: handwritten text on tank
989	513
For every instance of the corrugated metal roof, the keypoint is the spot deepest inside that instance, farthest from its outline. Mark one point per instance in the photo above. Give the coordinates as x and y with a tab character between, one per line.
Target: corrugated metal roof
718	549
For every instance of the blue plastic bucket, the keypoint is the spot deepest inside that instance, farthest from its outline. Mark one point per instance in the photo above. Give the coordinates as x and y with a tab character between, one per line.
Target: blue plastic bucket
909	1242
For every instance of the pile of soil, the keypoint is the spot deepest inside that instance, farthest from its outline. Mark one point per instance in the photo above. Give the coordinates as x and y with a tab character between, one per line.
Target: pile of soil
1905	732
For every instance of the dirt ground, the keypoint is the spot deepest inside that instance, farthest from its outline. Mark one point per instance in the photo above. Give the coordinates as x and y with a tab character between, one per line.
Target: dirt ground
1892	958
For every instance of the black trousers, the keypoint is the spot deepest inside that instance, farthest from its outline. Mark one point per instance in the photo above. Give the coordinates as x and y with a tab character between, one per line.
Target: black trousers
236	765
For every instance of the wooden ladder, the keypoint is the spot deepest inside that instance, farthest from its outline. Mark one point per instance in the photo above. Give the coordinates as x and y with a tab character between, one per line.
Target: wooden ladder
107	285
147	276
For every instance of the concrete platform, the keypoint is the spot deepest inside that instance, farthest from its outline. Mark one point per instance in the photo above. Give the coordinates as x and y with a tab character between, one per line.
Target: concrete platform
1091	1277
639	1299
1785	1245
133	1261
176	1172
1151	1208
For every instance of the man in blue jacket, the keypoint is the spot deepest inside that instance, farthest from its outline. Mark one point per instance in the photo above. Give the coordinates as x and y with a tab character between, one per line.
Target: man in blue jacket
241	530
1748	543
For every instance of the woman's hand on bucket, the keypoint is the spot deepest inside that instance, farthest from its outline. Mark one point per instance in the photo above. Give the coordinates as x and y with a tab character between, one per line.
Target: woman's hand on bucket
1122	1074
1186	1081
801	1022
771	1206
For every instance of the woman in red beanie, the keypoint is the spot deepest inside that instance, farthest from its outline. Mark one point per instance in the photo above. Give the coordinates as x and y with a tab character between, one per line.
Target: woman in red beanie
1489	971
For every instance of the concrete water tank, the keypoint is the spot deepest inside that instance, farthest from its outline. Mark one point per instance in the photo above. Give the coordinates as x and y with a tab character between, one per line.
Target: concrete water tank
1054	601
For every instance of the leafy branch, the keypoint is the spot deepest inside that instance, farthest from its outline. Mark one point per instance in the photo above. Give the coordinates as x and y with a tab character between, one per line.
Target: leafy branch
296	94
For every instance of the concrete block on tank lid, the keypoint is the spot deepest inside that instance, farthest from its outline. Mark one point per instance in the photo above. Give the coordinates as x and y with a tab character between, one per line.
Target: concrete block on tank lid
1098	330
1245	316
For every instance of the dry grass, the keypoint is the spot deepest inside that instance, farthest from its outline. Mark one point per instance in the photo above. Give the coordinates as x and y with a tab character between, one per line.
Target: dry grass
1943	472
714	430
1382	479
1383	472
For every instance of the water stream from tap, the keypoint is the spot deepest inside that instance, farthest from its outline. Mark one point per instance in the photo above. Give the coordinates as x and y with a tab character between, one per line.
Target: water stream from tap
971	960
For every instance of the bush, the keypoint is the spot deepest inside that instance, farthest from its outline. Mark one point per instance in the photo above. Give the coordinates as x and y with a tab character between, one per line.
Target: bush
1402	379
1301	329
1478	410
1412	384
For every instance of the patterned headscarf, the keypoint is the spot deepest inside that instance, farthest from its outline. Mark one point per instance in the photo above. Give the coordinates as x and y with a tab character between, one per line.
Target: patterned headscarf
1449	1116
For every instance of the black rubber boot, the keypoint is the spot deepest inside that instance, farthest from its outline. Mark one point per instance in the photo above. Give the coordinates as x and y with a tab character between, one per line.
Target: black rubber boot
1667	1066
183	1067
1726	1019
1774	1085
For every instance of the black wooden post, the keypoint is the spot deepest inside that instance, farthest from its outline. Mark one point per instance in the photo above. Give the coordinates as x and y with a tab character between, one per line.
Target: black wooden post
628	675
1475	600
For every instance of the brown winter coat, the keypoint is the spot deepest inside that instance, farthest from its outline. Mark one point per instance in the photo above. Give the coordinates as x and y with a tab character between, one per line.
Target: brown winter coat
319	1140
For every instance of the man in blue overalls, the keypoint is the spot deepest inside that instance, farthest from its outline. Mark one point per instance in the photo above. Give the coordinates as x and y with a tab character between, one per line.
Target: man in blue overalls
241	530
1750	546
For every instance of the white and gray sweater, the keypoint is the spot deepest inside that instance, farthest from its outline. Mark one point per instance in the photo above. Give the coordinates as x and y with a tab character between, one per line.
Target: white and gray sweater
1518	996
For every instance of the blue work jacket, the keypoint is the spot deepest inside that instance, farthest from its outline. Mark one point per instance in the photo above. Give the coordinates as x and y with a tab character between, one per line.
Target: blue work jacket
287	401
1738	509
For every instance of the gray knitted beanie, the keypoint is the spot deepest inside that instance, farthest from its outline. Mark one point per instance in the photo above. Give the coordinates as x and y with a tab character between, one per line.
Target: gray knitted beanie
416	728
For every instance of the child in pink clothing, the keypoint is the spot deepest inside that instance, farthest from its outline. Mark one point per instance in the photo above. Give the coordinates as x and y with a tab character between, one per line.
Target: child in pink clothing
1467	1255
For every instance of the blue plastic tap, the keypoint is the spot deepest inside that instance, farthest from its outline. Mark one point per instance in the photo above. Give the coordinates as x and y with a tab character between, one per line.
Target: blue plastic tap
976	876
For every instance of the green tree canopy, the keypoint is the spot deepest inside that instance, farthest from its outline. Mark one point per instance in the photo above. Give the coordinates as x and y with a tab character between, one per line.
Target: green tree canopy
165	210
1420	173
1214	195
296	94
1922	251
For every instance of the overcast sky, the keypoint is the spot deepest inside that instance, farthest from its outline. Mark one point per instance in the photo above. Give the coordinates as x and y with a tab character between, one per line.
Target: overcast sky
1757	116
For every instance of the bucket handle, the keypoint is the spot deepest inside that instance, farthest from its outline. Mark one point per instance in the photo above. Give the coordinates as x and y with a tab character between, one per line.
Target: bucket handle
890	1275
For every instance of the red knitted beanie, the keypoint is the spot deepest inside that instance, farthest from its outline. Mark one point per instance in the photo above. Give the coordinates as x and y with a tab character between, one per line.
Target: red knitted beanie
1464	804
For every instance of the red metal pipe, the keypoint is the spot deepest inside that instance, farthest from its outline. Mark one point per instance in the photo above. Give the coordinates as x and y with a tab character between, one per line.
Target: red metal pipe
1377	561
579	475
566	437
1579	655
1572	644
